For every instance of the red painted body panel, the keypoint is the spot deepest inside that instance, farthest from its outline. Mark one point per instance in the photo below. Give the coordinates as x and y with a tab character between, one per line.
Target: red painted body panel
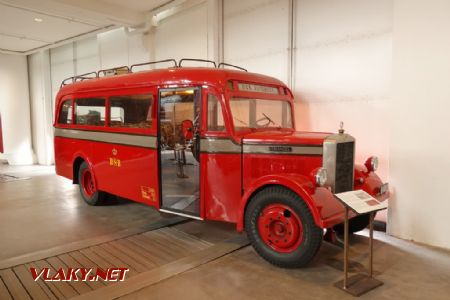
297	183
169	77
228	181
139	169
326	210
222	186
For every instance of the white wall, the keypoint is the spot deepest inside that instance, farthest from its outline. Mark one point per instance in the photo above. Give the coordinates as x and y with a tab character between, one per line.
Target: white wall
62	65
107	50
41	106
15	110
47	70
256	36
420	123
85	54
343	71
183	35
342	62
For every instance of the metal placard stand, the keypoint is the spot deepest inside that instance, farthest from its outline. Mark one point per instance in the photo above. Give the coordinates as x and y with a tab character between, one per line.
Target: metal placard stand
359	284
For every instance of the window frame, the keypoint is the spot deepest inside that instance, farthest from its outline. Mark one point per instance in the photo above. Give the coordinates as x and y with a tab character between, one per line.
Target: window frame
133	91
61	105
75	98
252	105
219	102
234	92
130	93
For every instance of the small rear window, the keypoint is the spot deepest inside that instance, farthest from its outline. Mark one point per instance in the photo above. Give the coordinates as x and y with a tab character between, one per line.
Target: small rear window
65	114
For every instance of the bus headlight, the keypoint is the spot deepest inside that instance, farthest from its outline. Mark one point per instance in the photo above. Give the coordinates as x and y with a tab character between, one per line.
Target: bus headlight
371	164
321	177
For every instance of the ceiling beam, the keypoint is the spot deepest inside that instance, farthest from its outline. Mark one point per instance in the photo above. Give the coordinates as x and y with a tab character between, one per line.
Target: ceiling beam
97	13
61	42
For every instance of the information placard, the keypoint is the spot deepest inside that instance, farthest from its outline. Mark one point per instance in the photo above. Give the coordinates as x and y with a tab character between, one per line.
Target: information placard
361	202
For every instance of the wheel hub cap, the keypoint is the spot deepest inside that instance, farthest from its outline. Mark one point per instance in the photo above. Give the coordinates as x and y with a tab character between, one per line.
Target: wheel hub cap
280	228
88	183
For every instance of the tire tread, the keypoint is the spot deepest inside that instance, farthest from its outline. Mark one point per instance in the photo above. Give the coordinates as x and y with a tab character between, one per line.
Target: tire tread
293	200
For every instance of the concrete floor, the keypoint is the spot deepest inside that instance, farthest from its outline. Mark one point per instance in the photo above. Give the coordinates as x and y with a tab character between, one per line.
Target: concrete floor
47	211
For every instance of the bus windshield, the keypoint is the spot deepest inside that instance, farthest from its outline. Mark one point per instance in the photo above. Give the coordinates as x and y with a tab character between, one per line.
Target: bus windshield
259	113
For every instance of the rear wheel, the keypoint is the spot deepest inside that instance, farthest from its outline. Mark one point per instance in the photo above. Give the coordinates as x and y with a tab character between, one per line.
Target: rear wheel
281	228
88	187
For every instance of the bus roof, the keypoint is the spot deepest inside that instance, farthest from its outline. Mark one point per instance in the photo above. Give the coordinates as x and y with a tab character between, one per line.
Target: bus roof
170	76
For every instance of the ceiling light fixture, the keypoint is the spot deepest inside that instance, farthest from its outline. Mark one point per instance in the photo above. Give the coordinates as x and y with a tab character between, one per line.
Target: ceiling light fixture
38	20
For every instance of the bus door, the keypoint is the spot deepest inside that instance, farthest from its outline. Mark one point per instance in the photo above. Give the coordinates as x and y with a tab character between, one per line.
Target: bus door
179	150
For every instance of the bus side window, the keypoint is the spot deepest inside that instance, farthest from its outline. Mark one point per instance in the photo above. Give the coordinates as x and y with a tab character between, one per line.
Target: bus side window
131	111
65	114
90	111
215	116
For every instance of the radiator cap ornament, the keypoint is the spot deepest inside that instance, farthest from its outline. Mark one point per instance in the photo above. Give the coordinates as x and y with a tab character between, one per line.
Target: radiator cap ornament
341	128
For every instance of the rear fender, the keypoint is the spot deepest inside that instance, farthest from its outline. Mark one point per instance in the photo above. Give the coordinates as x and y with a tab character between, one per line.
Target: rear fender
299	184
77	156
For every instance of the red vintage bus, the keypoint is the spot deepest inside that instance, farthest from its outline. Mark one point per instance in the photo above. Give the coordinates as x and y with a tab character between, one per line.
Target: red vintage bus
209	144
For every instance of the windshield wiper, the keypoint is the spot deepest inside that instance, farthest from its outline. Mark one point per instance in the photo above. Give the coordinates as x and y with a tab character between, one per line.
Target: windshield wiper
240	121
269	121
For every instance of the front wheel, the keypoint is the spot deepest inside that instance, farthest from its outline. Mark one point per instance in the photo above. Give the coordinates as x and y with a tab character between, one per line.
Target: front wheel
88	188
281	228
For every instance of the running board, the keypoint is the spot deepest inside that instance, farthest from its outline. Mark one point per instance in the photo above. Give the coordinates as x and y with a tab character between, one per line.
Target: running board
180	214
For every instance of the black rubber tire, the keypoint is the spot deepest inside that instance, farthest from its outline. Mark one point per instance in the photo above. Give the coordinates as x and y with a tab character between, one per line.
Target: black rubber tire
98	198
312	234
355	224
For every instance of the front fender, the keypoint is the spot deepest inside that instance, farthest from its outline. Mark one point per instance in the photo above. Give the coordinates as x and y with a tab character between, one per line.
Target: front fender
301	185
369	182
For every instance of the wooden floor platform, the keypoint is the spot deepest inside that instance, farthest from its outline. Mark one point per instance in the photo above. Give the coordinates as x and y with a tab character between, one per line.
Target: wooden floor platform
150	256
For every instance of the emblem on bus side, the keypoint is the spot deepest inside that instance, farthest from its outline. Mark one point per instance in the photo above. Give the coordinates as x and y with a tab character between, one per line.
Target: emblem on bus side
113	161
148	193
280	149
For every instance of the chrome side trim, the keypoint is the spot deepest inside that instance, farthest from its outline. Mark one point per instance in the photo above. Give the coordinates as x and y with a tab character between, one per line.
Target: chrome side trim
108	137
219	145
223	145
179	214
293	150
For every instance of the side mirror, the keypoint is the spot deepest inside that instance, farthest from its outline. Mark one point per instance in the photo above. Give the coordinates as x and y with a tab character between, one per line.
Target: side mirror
187	128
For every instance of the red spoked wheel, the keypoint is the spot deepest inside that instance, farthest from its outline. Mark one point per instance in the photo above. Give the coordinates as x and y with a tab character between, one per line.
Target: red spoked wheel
88	188
88	183
280	228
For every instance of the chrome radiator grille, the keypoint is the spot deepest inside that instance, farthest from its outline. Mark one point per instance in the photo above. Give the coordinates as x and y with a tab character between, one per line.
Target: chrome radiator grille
339	160
344	167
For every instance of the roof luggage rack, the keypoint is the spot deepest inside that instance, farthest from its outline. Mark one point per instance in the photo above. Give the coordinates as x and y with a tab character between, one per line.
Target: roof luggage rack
154	62
199	60
222	64
114	71
125	69
81	77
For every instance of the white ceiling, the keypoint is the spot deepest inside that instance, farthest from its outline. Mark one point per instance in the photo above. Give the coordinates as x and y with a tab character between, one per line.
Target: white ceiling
65	19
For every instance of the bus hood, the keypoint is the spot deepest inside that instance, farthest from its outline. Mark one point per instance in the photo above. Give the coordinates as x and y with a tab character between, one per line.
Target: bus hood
286	138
